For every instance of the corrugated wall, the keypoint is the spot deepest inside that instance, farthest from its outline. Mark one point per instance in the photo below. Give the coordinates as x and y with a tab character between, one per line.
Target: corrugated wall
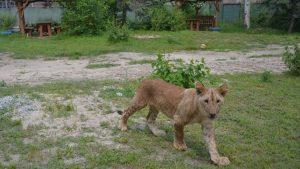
34	15
232	13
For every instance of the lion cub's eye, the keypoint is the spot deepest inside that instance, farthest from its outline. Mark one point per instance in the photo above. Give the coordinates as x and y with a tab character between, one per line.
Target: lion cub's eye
206	101
218	101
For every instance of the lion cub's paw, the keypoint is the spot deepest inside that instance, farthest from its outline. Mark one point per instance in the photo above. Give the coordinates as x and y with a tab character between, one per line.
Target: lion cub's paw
221	161
180	146
122	126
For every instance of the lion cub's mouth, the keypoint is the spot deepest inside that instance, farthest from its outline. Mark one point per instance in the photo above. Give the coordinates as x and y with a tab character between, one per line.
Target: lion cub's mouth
212	116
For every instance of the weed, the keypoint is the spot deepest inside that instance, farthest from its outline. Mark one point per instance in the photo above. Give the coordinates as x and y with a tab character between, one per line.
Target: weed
58	110
221	59
2	83
292	60
104	124
263	56
266	76
100	65
179	72
140	62
122	140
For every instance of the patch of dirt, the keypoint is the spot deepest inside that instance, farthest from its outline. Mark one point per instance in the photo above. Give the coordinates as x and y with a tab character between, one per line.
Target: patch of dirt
43	71
146	36
85	121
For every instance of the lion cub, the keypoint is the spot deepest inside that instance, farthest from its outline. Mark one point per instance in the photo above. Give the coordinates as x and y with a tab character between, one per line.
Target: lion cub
184	106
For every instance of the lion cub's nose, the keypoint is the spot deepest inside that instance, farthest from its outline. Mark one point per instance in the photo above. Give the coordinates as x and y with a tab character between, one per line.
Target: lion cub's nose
212	116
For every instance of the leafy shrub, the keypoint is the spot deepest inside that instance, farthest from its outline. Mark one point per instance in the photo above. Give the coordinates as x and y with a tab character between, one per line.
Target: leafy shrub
6	21
178	72
162	19
88	17
117	34
261	19
266	76
159	19
292	60
177	21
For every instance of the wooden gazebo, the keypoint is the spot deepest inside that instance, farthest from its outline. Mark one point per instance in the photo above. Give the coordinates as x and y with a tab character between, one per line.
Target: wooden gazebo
204	22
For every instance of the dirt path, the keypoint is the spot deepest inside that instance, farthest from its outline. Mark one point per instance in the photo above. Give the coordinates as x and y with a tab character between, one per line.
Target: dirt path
41	71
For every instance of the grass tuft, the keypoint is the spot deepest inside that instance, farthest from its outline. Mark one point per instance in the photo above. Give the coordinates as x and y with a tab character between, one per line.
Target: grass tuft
140	62
100	65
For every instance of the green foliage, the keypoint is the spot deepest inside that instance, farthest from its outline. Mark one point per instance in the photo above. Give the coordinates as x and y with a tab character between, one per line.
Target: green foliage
142	10
266	76
88	17
6	21
58	110
178	72
281	12
261	19
292	60
100	65
162	19
118	33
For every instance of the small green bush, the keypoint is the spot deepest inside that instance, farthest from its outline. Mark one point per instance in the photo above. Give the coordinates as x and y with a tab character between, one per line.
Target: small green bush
261	19
178	72
117	34
162	19
266	76
292	60
89	17
6	21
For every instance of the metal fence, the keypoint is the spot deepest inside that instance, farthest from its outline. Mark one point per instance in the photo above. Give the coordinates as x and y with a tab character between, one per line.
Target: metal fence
7	4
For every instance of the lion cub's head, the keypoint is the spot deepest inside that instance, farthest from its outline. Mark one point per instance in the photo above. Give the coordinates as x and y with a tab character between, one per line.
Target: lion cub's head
210	99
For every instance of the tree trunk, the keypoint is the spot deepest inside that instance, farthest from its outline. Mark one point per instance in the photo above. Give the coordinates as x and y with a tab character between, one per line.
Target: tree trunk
21	21
179	3
247	14
123	22
197	11
291	24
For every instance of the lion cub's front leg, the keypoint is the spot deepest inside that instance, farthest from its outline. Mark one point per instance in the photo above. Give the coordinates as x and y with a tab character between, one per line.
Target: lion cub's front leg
179	135
209	137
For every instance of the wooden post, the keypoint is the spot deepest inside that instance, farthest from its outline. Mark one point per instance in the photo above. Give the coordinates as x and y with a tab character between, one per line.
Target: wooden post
247	14
40	28
217	12
49	29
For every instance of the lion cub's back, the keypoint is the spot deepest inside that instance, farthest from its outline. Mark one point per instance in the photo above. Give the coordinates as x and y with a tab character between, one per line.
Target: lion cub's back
160	94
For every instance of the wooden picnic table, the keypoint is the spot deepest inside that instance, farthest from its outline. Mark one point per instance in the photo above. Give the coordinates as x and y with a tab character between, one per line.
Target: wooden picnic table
194	24
201	22
44	28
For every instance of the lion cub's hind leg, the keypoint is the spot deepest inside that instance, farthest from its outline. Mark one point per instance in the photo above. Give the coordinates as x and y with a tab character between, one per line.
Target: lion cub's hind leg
137	104
151	117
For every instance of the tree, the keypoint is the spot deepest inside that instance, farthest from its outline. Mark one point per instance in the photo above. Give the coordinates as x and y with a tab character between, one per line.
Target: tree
247	14
285	13
21	5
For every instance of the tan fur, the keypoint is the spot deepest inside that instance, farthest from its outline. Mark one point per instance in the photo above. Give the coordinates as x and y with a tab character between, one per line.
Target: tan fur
185	106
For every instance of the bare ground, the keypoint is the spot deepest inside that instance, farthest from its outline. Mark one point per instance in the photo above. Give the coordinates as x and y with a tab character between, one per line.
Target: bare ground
41	71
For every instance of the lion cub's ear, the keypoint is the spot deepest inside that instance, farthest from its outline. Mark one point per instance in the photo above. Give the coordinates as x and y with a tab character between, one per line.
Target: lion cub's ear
223	89
199	87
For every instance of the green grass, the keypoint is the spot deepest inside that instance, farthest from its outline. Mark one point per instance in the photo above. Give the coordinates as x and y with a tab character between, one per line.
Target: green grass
58	110
263	56
258	127
104	124
77	46
100	65
140	62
